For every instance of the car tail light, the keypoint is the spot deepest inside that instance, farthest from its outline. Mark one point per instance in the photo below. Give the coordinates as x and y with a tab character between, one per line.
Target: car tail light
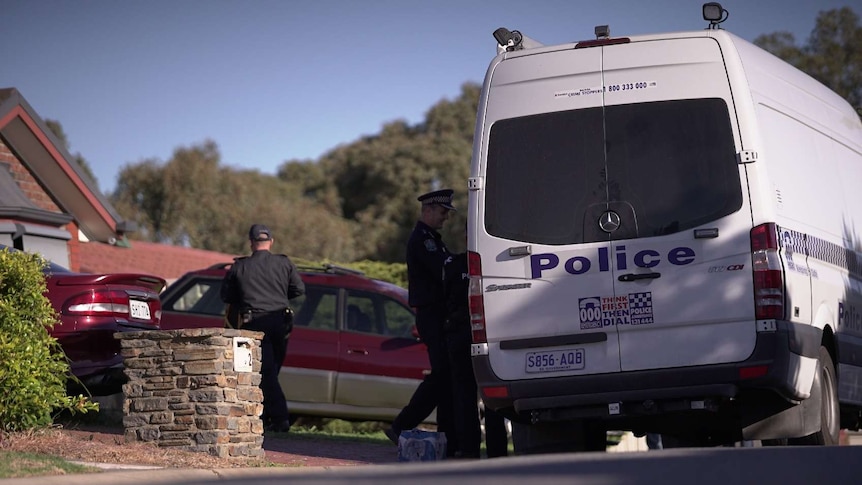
768	273
477	299
106	302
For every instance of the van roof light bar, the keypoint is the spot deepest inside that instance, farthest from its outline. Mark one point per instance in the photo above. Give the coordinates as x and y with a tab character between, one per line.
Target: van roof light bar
715	14
602	32
509	40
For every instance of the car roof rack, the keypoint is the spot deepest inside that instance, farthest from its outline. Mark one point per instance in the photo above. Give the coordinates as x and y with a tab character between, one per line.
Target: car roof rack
334	268
326	268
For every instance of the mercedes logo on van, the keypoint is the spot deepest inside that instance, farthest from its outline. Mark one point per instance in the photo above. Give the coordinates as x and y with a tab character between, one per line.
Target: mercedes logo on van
610	221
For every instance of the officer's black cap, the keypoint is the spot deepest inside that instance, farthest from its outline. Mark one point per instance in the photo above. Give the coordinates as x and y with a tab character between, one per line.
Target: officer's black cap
259	232
442	198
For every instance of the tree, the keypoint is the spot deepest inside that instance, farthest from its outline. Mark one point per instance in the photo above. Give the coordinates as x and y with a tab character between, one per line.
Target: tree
379	177
358	202
832	55
313	183
194	201
141	196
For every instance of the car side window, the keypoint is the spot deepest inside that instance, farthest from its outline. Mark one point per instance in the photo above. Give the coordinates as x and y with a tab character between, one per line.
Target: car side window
377	314
360	315
201	296
399	319
316	309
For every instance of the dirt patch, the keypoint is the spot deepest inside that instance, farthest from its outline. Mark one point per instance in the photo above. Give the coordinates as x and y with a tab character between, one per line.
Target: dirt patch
98	444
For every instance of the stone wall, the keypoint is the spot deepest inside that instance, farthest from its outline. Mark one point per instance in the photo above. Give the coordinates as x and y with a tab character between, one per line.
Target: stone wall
184	391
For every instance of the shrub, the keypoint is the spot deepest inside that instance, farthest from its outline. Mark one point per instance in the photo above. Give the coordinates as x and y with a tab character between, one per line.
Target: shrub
395	273
33	368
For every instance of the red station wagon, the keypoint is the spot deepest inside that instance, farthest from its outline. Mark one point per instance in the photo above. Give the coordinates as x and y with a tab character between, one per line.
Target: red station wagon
90	309
353	353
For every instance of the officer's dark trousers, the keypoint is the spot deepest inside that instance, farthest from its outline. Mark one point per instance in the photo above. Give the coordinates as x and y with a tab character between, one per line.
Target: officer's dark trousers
464	391
273	348
496	434
436	389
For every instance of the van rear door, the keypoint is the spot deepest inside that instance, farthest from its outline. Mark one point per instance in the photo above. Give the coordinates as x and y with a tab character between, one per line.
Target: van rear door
682	265
543	165
616	167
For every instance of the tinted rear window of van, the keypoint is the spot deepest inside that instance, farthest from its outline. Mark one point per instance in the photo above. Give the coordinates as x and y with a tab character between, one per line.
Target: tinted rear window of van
664	167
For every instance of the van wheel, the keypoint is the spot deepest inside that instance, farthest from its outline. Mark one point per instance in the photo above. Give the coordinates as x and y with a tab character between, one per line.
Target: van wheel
825	388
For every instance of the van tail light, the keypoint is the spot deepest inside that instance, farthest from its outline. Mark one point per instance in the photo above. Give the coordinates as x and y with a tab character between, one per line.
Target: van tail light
753	372
498	392
768	273
477	298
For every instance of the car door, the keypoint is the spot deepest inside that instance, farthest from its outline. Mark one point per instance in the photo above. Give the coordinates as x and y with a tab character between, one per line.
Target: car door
311	363
193	302
309	374
380	361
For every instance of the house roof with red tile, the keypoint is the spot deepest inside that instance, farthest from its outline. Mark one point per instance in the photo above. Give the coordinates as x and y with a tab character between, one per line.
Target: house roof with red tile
169	262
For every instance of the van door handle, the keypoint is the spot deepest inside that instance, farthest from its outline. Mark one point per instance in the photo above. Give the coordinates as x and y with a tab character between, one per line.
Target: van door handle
639	276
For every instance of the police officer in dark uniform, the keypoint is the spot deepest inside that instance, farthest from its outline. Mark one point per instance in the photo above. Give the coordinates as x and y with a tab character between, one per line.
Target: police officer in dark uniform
465	392
426	254
258	290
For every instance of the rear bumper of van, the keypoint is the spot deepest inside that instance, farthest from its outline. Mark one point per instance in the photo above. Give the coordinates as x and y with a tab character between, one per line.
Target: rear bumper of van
771	370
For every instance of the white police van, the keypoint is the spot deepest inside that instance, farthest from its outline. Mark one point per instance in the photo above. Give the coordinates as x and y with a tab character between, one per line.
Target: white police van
663	236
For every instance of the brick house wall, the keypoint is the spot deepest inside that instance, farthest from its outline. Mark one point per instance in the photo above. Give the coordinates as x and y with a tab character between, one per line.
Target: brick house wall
28	185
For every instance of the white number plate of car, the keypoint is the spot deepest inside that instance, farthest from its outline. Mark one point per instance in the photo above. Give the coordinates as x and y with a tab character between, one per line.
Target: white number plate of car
139	309
554	361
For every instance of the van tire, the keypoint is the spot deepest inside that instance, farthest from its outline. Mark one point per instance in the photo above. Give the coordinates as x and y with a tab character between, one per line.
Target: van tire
825	388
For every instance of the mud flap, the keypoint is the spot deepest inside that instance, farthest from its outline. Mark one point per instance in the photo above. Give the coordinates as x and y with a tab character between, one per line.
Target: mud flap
782	419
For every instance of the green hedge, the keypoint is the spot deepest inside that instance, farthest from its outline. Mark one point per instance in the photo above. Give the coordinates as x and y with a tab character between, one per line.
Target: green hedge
395	273
33	368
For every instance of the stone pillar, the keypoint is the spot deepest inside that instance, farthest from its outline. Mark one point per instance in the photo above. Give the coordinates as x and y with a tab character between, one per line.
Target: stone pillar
186	390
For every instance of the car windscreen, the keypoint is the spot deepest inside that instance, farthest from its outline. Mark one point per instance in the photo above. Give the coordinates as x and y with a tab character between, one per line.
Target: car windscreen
663	166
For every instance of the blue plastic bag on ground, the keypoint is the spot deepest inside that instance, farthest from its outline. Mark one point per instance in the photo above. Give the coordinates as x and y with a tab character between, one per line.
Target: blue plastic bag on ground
420	445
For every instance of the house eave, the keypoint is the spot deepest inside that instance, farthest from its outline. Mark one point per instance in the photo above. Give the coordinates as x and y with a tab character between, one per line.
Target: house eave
30	140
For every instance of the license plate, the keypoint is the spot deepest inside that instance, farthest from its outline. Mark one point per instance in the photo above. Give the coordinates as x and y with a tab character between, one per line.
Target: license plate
554	361
139	309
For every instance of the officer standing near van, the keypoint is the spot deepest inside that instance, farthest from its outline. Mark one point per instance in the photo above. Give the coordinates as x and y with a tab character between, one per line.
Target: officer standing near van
464	389
426	255
258	290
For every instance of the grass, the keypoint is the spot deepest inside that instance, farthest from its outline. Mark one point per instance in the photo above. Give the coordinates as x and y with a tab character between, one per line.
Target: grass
339	430
362	431
14	464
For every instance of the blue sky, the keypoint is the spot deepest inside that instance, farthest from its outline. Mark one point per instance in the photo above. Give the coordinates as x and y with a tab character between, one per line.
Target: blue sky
271	81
